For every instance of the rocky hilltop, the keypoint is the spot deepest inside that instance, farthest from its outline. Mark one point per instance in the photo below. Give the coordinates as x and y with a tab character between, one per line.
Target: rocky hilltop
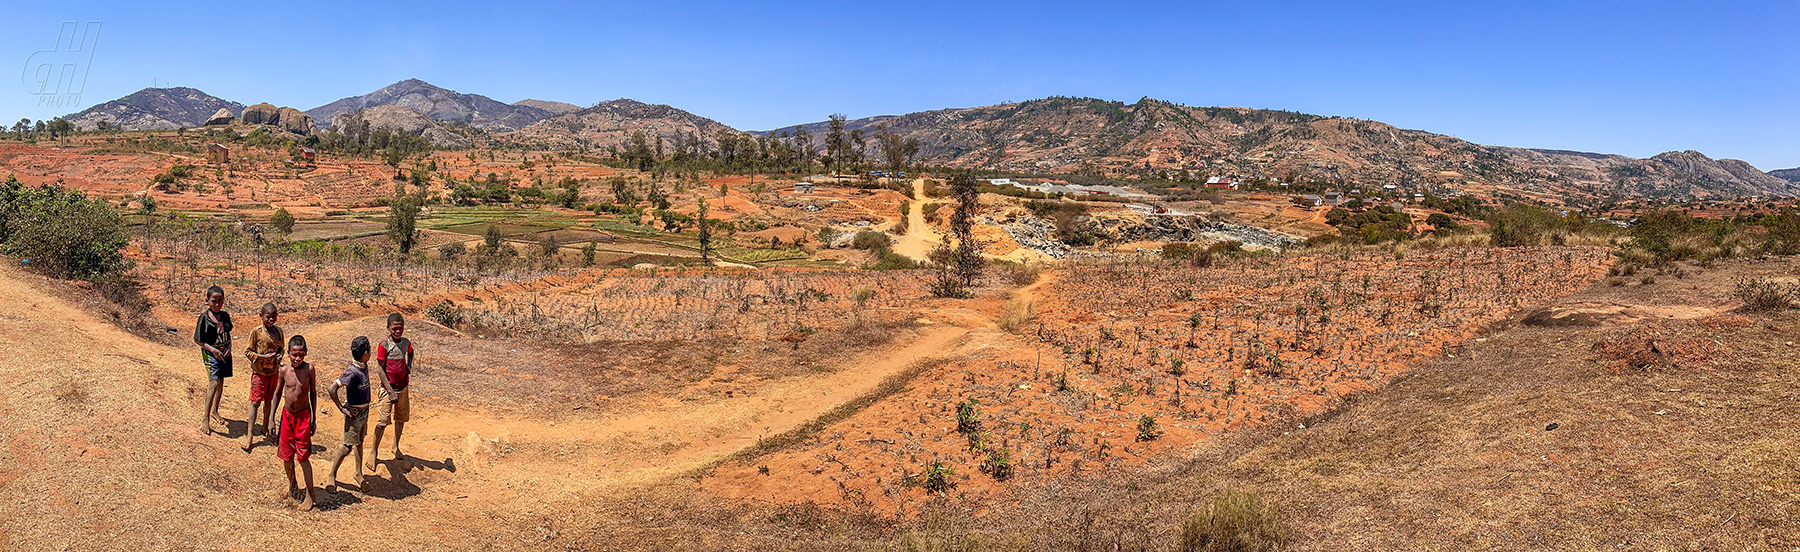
1152	138
400	119
1790	175
285	118
154	109
438	104
612	123
554	108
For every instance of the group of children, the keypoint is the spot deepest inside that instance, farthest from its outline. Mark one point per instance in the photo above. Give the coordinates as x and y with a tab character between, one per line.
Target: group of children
274	384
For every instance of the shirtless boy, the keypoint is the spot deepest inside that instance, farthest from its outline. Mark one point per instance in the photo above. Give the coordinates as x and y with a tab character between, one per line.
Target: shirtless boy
395	359
296	389
355	407
264	354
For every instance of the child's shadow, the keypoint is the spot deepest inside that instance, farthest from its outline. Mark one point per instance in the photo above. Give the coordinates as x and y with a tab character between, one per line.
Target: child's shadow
326	501
397	485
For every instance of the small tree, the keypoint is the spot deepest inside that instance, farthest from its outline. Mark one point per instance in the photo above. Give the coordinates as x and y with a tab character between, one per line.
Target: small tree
587	254
403	221
705	235
959	266
282	221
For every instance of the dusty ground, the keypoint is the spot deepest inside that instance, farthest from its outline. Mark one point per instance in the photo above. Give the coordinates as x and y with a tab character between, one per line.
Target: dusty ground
103	435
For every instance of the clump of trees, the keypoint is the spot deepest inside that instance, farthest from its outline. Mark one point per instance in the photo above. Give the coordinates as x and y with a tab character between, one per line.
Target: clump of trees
61	231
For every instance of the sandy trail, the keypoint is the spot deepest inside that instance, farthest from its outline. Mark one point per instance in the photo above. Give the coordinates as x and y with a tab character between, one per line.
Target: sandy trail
916	244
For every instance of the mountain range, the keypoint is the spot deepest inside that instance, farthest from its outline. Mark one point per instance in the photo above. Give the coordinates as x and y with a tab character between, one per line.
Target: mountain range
1063	135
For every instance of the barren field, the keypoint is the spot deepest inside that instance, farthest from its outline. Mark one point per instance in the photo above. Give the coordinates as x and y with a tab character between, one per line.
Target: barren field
587	381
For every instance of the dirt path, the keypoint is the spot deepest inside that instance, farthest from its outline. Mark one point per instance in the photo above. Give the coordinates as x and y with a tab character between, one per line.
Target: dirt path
919	238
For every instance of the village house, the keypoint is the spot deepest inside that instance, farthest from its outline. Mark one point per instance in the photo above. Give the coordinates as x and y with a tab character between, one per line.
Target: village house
218	154
803	187
1222	182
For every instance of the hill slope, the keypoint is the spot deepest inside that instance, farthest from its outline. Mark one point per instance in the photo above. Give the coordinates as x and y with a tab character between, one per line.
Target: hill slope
612	123
1152	138
154	109
555	108
1790	175
402	119
439	104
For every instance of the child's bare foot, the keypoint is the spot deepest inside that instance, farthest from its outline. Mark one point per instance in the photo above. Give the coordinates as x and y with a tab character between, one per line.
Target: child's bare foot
288	495
360	486
306	505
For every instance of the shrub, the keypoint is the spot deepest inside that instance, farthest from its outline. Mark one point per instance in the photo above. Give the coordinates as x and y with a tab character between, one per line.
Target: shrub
868	240
1147	430
451	252
936	477
998	463
1236	522
1763	294
967	417
893	261
445	313
282	221
1179	250
63	232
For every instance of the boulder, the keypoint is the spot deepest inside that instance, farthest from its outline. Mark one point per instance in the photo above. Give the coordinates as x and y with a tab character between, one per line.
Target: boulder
221	117
261	114
295	121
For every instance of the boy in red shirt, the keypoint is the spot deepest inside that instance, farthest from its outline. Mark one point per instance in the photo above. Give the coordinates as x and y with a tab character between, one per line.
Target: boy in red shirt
395	358
298	419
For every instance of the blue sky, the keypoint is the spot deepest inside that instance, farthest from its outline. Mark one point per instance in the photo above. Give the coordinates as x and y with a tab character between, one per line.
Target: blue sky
1634	78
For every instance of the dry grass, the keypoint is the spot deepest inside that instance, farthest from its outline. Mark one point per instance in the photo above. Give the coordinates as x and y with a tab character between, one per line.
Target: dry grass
1014	315
1237	521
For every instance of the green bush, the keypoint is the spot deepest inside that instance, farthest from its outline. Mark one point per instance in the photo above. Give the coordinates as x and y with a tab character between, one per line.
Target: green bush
282	221
445	313
869	240
1179	250
893	261
62	231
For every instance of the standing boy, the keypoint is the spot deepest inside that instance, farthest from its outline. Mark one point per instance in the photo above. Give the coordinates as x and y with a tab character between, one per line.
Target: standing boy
355	407
264	354
395	357
297	420
212	332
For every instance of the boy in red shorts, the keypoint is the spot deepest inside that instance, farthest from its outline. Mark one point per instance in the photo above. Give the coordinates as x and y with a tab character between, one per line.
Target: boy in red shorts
296	388
394	360
264	354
